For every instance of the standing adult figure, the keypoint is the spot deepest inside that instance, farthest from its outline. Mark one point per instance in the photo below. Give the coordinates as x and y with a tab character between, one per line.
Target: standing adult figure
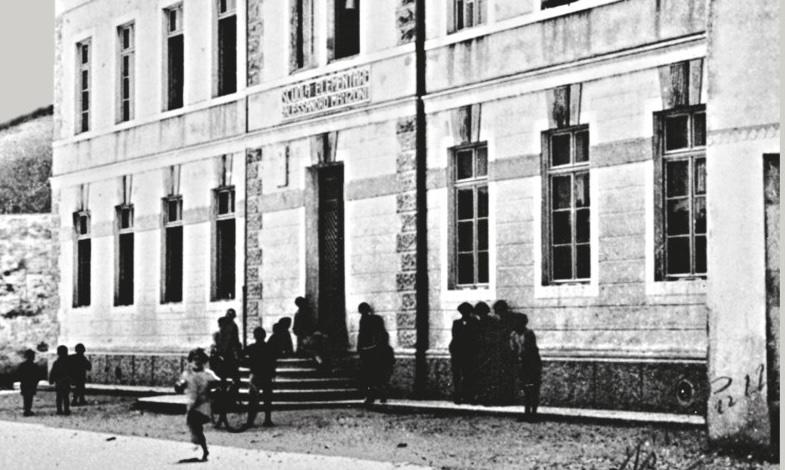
489	355
508	364
304	323
463	353
372	343
229	347
523	343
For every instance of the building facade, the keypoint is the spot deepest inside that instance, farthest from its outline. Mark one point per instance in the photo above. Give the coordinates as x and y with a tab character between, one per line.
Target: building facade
557	155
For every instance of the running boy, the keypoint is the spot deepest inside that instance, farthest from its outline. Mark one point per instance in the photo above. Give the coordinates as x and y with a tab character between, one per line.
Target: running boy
195	381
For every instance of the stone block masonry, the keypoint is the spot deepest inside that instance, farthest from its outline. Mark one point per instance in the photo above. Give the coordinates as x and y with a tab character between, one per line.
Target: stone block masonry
406	246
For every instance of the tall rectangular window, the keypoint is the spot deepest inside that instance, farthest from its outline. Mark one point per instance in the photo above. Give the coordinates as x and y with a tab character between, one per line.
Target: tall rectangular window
302	33
175	56
84	85
173	249
466	13
83	259
682	231
347	28
225	234
227	47
470	215
125	37
567	205
124	289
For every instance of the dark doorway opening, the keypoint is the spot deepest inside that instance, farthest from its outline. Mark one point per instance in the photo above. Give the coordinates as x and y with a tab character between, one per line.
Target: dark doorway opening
771	192
332	310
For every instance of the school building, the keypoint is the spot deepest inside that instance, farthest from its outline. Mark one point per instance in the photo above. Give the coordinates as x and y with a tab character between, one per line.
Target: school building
608	167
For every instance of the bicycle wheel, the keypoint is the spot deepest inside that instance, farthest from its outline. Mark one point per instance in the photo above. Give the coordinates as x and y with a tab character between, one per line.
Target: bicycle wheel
235	413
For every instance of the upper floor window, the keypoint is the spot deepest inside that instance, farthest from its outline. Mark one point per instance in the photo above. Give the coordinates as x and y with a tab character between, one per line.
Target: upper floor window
84	85
681	227
125	37
227	47
470	214
302	46
347	28
567	205
174	56
464	14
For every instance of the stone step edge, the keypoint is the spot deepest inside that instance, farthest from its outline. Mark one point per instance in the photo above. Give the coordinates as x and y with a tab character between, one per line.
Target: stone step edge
548	412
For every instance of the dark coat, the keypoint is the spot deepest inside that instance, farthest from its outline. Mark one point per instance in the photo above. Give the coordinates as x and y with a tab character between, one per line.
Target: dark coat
304	322
281	342
261	360
60	375
465	339
28	374
78	366
524	346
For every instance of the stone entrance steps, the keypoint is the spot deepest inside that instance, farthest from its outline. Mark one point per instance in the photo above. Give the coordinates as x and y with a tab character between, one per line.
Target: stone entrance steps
298	384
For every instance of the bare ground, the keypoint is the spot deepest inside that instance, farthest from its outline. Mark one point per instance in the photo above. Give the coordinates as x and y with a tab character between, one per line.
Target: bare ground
447	442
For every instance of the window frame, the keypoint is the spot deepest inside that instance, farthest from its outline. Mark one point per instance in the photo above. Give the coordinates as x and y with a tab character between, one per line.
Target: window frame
82	237
475	182
690	154
462	11
169	225
123	297
223	84
84	85
169	34
219	291
126	54
338	40
573	168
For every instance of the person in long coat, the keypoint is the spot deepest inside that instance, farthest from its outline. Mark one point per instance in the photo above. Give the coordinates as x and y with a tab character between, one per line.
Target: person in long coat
523	343
489	355
463	354
508	368
375	354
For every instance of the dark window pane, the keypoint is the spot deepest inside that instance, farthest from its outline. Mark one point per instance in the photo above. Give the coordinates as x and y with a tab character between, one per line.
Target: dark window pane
172	20
562	196
482	201
227	55
583	261
464	165
222	7
85	100
126	88
562	227
126	38
700	255
560	149
125	270
459	14
582	146
678	217
700	214
225	259
85	53
224	202
465	204
465	236
175	75
469	14
699	129
482	234
482	267
676	132
126	110
85	80
173	274
562	262
173	207
482	161
700	176
126	62
84	253
125	218
466	269
582	190
84	227
679	255
582	228
677	174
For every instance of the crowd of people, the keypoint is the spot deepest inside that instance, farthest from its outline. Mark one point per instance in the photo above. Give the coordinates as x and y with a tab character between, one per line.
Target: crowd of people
68	375
494	355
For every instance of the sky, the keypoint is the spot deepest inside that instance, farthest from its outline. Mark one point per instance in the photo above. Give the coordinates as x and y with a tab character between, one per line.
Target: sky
26	55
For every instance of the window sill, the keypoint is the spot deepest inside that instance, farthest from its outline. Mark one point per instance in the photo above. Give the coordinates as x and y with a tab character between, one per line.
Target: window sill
573	289
680	287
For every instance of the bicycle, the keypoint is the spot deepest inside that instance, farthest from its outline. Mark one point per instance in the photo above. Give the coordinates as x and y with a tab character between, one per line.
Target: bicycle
230	409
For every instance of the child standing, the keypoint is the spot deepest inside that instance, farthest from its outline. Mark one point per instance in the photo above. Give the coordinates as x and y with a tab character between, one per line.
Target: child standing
28	373
261	361
281	339
79	365
60	377
195	381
